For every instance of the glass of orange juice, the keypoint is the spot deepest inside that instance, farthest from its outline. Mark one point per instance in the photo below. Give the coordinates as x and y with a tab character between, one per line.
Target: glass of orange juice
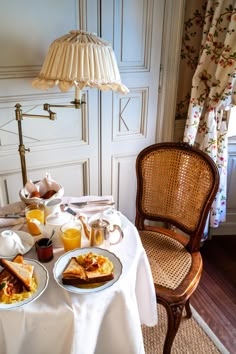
71	235
34	211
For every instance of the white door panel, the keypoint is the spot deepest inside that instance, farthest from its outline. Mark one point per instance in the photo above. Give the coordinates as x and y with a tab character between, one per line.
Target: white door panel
124	183
68	147
92	150
129	122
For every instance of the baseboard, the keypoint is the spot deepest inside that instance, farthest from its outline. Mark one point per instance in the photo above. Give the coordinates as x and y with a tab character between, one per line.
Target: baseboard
209	332
224	229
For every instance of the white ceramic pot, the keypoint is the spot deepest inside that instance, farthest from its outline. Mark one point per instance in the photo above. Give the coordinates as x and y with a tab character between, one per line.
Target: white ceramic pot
52	206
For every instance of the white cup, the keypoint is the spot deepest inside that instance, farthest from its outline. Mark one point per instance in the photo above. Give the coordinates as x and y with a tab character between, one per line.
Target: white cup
10	243
52	206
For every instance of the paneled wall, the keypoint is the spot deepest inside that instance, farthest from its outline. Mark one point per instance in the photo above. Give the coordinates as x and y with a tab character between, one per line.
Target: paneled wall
66	148
93	150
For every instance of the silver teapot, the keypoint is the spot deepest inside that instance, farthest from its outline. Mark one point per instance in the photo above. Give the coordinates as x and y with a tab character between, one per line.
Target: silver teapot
101	233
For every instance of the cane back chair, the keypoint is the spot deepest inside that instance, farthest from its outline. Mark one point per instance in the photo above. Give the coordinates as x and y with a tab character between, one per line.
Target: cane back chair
176	185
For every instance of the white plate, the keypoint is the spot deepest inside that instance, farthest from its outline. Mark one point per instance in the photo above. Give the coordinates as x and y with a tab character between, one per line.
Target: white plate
63	261
27	240
41	276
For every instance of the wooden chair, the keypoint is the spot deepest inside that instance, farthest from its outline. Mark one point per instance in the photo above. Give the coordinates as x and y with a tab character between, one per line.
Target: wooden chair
176	184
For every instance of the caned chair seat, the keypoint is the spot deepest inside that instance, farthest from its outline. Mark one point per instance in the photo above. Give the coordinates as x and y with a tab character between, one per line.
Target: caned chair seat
176	185
159	249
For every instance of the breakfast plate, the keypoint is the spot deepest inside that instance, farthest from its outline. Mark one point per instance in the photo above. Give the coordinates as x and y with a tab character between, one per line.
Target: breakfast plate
42	278
27	241
63	261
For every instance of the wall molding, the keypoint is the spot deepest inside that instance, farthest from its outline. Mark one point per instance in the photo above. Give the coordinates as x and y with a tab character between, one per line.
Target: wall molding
6	186
169	71
140	93
40	98
19	72
55	142
144	64
119	183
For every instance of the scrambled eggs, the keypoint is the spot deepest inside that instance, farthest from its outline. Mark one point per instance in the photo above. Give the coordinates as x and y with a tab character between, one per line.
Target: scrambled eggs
94	262
7	298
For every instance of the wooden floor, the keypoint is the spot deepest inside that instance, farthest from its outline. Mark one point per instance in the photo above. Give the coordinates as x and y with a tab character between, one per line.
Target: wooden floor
215	297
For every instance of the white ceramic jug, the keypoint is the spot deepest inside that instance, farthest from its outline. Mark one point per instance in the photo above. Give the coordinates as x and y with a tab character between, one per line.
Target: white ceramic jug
52	206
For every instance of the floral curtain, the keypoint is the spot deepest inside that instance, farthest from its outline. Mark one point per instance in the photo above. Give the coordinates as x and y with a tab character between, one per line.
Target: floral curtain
214	92
191	42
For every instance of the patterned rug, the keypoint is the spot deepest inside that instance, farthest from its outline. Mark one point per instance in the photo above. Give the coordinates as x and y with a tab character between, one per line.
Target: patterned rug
193	336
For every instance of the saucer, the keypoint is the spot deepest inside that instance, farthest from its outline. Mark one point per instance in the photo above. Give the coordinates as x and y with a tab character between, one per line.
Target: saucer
27	241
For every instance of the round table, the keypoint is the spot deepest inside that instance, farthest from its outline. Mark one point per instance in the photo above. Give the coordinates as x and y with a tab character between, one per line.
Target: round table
104	322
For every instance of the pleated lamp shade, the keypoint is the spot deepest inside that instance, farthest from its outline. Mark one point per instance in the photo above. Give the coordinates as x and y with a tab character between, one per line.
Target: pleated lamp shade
80	59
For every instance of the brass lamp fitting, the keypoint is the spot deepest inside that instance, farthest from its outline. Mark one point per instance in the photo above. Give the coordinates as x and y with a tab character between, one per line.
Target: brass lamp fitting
22	149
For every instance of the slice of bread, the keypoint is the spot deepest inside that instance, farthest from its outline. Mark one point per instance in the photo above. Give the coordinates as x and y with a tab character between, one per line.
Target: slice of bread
97	279
23	272
75	270
17	259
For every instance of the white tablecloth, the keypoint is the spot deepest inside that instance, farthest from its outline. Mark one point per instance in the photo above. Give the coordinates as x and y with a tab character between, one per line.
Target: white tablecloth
106	322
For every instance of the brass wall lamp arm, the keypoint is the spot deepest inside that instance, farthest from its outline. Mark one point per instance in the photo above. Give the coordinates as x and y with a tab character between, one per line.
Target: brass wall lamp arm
19	117
75	104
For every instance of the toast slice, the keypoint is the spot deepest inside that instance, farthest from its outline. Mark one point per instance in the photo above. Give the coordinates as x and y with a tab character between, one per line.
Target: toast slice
23	272
97	279
7	279
75	270
17	259
76	273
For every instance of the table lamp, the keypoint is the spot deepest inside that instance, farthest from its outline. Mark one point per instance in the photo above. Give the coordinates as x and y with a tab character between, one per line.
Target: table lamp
77	59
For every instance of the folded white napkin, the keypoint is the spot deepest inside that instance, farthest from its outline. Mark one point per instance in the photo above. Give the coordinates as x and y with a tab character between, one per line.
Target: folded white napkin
14	208
86	198
11	222
90	208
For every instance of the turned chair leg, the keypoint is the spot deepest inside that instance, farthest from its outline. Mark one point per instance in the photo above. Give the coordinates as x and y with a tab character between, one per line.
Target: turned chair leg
174	314
188	309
